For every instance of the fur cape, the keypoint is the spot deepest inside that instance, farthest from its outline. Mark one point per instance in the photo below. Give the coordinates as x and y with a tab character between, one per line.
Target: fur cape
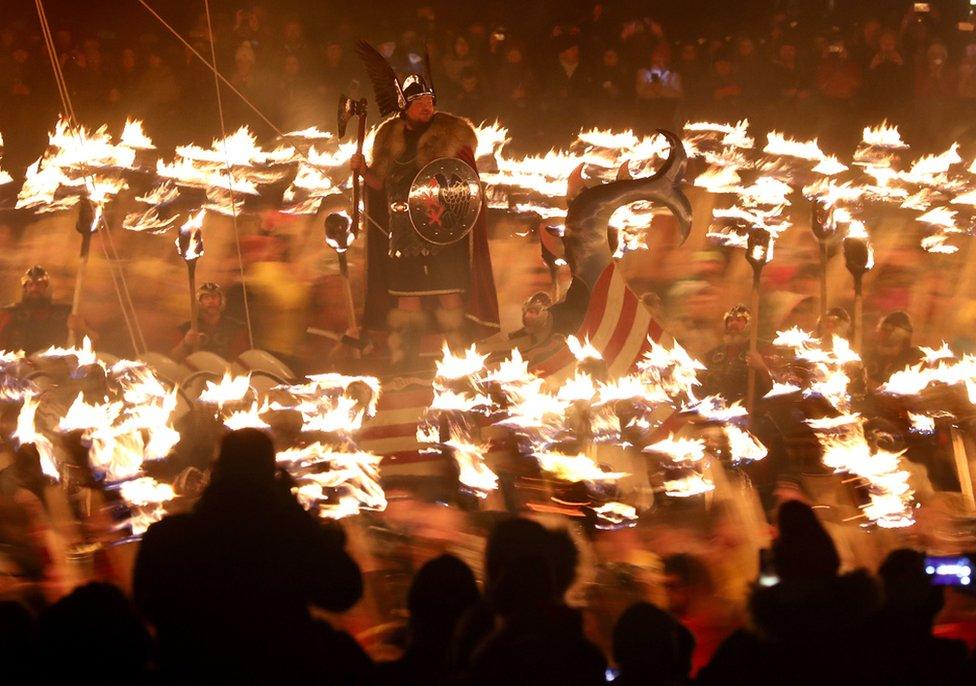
446	136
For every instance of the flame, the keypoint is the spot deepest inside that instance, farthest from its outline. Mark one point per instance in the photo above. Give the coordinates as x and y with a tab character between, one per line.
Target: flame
189	245
229	389
491	138
575	468
688	486
743	446
679	450
614	515
778	144
473	472
830	166
451	366
883	136
922	424
84	356
26	432
249	418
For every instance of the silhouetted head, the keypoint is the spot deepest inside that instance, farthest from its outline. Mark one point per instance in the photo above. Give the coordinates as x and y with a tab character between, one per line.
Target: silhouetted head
803	550
685	576
908	590
94	626
651	647
246	455
440	593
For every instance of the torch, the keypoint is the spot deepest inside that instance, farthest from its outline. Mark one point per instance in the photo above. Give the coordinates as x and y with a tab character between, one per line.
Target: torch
339	233
85	225
823	227
859	258
759	252
189	244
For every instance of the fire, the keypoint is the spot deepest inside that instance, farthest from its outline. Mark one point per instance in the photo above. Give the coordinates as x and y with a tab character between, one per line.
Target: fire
688	486
614	515
679	450
575	468
26	432
230	389
883	136
473	472
189	244
83	356
451	366
830	166
743	446
491	138
778	144
249	418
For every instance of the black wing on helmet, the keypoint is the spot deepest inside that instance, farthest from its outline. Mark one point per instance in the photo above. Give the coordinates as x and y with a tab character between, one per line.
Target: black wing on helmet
385	84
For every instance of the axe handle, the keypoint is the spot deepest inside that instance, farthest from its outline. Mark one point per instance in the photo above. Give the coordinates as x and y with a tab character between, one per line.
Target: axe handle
357	178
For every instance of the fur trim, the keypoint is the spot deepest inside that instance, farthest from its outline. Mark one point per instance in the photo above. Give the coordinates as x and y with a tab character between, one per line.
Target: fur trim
449	320
446	136
406	320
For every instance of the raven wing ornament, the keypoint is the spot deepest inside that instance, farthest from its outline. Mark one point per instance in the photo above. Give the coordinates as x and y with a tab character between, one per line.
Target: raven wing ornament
389	96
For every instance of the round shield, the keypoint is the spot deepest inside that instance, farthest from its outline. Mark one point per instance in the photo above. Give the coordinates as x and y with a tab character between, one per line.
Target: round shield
445	200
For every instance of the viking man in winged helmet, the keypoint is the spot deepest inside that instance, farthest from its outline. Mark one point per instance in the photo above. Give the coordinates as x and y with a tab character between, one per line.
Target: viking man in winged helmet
427	260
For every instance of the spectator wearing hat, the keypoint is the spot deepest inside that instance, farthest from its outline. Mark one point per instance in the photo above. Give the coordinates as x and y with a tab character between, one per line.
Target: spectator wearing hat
892	349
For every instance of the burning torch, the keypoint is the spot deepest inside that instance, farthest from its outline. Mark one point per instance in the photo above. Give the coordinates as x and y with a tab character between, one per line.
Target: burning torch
859	258
339	233
189	244
85	225
823	227
759	252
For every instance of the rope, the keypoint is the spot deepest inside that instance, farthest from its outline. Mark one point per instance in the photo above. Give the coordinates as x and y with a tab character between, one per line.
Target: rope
230	188
69	112
211	65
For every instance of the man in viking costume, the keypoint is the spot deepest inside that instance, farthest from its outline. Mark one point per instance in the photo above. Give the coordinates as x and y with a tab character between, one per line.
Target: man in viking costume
427	259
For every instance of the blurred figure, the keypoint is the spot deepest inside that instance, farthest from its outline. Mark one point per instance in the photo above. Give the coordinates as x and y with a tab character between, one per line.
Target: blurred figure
536	637
935	93
568	84
456	62
94	626
788	82
901	636
440	593
651	648
658	89
887	81
228	586
725	89
892	349
690	597
218	332
838	80
611	78
806	621
36	323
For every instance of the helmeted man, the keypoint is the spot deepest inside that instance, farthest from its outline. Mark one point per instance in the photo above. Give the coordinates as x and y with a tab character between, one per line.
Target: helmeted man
36	323
892	349
409	277
727	365
217	332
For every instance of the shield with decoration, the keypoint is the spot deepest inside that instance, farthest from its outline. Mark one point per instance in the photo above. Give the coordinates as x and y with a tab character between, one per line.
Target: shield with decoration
445	200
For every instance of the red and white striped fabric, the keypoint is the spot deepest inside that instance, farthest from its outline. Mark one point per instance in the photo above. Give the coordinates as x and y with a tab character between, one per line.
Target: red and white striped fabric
616	323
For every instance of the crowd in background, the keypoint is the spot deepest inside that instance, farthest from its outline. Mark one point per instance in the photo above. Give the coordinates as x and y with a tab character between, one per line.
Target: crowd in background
245	585
811	66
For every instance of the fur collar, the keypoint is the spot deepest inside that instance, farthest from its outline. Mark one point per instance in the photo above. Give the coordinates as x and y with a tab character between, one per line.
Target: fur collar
446	136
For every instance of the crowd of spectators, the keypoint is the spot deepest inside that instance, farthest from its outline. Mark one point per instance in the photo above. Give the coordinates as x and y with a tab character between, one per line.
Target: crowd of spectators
234	589
817	67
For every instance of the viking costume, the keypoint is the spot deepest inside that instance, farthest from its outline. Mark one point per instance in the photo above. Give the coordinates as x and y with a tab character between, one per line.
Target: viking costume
33	326
400	261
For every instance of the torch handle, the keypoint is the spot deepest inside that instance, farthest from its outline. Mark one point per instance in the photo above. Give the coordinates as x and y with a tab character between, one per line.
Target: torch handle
824	258
79	283
753	339
357	178
350	301
858	314
191	275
